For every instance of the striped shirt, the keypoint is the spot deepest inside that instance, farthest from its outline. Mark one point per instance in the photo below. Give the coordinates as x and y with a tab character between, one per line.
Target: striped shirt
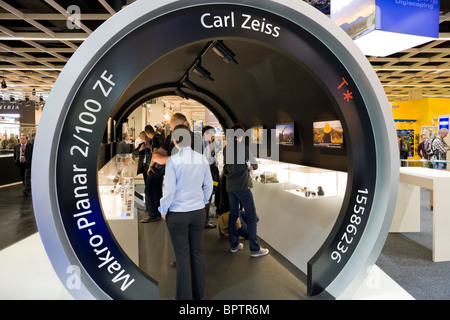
440	148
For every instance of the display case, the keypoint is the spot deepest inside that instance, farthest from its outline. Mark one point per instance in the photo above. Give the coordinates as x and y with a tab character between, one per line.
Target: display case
304	181
116	187
444	164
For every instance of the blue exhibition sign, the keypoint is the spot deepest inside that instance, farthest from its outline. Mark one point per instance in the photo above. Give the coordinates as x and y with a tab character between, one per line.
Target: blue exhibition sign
443	123
416	17
413	17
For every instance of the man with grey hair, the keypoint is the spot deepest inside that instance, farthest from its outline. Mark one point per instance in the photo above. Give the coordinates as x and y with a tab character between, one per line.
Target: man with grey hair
440	149
124	145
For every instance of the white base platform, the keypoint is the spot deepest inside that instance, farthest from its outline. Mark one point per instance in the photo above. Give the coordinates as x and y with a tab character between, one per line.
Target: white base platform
27	274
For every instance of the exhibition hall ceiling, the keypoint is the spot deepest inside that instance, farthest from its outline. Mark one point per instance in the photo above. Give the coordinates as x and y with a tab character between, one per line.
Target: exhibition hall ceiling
38	37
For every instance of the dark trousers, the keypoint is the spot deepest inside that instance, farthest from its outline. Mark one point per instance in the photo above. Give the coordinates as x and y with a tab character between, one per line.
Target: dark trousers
403	156
207	207
153	192
144	170
186	233
246	199
25	175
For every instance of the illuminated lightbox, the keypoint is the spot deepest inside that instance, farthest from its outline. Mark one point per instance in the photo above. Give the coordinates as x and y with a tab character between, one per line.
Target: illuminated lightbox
328	134
257	134
384	27
285	134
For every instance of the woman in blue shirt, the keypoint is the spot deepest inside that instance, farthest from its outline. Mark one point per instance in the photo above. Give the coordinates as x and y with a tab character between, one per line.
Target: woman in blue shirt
187	188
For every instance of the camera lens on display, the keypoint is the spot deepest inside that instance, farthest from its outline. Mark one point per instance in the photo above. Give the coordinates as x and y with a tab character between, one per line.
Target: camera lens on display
124	63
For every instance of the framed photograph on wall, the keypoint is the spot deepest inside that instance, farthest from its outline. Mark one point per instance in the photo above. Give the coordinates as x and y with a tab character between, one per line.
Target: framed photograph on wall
257	134
328	134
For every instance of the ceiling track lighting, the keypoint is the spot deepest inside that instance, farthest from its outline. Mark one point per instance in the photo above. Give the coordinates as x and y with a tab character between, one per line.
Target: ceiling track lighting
188	84
202	72
224	52
181	93
220	49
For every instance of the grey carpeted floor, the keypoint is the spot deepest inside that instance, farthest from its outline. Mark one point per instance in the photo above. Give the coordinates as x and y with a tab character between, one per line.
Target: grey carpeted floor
406	258
228	276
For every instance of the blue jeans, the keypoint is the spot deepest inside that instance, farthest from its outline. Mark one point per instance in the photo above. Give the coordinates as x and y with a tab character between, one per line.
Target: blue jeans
246	199
243	230
440	165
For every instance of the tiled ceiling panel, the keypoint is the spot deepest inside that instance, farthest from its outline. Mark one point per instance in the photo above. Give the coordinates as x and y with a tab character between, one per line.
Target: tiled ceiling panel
36	40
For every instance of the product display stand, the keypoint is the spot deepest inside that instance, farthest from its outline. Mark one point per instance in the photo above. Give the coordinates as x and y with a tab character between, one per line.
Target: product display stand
294	225
407	212
116	189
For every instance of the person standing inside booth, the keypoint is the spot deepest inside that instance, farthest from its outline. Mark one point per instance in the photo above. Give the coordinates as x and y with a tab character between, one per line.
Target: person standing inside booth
239	184
187	189
23	153
440	149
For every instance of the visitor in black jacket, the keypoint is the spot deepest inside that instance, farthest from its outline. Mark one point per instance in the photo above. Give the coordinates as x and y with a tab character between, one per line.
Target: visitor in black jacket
22	157
237	165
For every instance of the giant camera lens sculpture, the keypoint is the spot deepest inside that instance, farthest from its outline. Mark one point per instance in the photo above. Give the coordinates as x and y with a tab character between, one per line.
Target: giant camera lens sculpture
65	191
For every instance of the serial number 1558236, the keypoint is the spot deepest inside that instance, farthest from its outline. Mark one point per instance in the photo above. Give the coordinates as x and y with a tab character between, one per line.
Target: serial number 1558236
352	227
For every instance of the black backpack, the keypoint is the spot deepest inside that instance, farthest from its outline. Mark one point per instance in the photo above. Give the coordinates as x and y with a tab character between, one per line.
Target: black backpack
428	147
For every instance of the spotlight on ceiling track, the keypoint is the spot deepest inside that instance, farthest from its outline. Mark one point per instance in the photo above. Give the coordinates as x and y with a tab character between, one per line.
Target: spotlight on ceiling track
224	52
202	72
181	93
188	84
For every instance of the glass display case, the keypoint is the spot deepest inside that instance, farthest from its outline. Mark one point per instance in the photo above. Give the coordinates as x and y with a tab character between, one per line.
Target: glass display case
304	181
443	164
116	187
